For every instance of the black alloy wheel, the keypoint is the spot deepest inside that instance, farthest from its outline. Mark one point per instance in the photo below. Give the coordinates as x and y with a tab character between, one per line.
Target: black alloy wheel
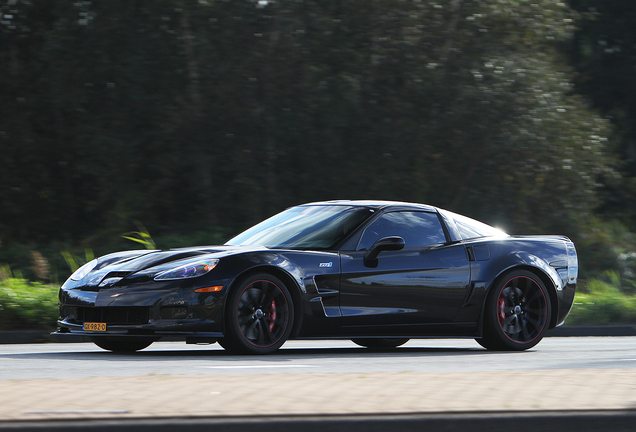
380	342
259	316
517	313
122	344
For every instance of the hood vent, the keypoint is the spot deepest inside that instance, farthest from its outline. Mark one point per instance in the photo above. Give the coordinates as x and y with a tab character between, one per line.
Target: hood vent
112	278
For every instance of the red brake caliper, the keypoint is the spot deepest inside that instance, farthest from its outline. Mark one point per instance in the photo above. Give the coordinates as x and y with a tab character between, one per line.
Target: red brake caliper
502	312
272	315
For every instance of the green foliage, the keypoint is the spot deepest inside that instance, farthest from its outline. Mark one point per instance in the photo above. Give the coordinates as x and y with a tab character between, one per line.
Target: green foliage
195	238
31	305
187	114
603	302
74	262
604	246
203	117
142	236
603	52
27	305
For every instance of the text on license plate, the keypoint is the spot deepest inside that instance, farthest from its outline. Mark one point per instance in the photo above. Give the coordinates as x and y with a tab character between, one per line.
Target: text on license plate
89	326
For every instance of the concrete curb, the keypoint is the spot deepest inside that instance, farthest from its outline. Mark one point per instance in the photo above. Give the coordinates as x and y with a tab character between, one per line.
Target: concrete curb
24	337
39	336
587	421
610	330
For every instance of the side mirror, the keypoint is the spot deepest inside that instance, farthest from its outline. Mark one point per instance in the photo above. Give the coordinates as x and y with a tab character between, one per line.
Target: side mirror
392	243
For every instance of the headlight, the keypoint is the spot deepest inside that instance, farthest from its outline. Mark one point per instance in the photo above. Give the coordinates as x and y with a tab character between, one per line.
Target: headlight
191	270
83	270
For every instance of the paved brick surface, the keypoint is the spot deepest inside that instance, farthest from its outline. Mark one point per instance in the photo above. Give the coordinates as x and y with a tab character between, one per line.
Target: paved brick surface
315	393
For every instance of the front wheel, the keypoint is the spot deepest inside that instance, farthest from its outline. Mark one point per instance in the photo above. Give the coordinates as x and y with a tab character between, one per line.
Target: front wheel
259	316
517	313
121	344
380	342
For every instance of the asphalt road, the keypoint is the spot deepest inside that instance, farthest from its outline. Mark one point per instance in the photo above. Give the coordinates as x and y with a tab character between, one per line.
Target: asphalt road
582	384
79	360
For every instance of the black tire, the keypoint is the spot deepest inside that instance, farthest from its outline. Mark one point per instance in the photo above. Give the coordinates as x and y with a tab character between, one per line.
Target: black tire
121	344
380	342
227	345
517	313
259	316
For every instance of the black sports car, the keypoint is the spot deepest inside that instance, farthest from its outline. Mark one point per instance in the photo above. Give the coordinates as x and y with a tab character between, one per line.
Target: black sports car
375	272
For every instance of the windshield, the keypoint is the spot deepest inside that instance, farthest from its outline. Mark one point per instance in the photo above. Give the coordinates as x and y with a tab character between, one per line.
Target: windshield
305	227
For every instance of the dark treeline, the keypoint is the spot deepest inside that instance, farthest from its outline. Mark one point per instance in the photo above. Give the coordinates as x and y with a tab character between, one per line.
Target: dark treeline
207	116
603	52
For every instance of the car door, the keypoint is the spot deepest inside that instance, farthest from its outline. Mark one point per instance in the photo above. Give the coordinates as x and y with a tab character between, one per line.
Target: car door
425	282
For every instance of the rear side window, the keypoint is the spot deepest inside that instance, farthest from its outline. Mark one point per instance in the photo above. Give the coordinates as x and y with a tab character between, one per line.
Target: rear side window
469	228
416	228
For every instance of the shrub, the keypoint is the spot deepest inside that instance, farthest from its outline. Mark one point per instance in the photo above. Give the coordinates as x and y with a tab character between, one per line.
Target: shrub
603	302
31	305
27	305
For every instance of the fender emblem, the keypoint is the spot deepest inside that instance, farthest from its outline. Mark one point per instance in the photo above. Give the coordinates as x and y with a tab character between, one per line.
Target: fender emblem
328	264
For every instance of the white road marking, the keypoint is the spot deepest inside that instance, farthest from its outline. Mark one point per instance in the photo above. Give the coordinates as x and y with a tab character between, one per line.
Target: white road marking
79	412
258	366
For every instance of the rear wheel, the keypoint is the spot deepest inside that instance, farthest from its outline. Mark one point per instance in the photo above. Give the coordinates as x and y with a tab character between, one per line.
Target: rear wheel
259	316
517	313
121	344
380	342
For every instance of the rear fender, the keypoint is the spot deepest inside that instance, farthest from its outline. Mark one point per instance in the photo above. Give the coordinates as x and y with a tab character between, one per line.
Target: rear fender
548	275
532	261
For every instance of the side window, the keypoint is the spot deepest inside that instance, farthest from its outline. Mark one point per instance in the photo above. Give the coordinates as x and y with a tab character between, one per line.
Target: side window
416	228
470	228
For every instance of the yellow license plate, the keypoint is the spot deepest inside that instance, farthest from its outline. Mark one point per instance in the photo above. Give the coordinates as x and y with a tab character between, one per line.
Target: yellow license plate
94	326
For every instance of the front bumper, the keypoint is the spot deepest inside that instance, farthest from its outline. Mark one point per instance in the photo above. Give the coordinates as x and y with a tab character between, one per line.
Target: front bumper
155	310
172	329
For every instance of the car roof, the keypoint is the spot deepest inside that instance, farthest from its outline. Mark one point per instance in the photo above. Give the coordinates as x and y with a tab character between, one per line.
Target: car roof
375	204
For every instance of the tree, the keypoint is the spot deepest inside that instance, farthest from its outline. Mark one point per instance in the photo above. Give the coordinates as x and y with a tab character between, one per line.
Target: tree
192	114
603	52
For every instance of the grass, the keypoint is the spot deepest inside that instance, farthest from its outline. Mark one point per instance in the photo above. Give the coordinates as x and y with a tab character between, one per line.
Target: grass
601	302
26	305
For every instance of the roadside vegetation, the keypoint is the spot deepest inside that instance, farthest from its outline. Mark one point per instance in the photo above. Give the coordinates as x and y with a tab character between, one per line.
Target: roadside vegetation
26	305
604	297
603	301
219	114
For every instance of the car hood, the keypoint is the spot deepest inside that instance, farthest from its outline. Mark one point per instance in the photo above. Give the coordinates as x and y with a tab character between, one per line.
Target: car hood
145	264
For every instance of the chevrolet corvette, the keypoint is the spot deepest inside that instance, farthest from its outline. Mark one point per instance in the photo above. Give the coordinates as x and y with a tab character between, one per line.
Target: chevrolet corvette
376	272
